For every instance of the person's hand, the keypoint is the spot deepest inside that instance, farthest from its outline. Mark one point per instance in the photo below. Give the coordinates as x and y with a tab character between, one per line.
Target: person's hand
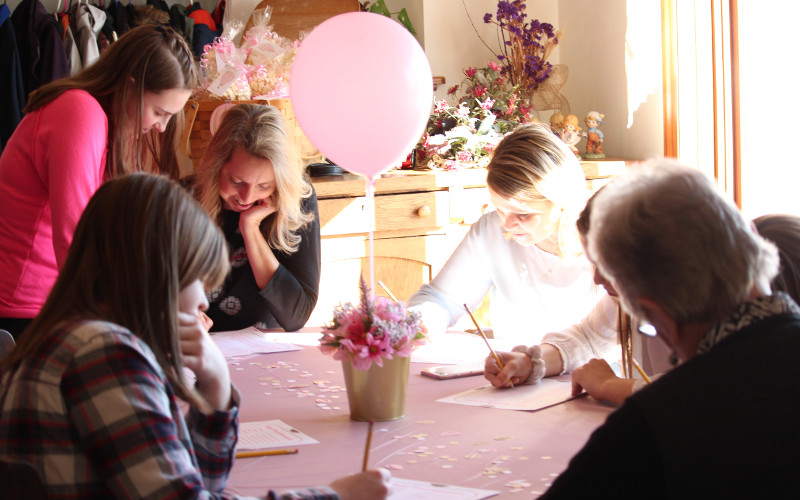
205	321
253	216
517	368
201	355
599	380
369	485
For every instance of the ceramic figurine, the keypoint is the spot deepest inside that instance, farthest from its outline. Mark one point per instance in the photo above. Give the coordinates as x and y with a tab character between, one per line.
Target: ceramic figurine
571	133
594	136
557	123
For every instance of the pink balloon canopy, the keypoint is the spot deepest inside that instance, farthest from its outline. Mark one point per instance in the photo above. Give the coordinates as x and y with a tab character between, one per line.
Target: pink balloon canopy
361	90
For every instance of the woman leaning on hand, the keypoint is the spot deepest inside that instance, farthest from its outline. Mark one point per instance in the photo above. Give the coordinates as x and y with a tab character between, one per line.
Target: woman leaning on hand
251	183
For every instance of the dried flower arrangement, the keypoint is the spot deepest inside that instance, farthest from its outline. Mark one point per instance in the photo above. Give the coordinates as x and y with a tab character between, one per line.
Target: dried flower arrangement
526	45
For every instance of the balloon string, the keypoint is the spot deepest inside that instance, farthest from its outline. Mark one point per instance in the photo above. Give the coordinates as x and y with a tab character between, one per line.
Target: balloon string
371	218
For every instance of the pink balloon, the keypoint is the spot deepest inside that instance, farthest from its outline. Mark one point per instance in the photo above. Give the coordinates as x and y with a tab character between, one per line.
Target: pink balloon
361	90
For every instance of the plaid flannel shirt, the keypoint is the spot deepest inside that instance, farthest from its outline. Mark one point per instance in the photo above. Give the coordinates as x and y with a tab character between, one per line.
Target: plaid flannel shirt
95	414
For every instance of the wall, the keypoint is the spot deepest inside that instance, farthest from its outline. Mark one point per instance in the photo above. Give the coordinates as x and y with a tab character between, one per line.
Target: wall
453	33
595	54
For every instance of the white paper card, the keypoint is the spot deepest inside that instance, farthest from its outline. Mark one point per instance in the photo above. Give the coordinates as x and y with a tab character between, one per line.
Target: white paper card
409	489
270	434
248	341
224	80
452	348
546	393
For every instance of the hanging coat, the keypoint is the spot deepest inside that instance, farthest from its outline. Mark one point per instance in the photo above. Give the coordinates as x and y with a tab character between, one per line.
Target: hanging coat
41	51
86	22
12	95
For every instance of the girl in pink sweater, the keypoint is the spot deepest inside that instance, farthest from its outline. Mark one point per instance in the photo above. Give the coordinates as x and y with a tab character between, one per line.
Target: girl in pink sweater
114	117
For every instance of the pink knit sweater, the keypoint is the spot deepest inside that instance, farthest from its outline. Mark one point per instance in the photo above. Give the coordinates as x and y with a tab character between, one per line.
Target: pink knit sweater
51	166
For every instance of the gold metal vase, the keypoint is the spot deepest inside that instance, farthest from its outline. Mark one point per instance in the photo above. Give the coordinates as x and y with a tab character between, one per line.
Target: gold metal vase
378	393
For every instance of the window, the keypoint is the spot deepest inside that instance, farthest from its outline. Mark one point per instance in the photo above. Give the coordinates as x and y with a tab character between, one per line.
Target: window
728	90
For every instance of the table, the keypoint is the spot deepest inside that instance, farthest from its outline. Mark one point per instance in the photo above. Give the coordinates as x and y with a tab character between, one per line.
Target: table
516	453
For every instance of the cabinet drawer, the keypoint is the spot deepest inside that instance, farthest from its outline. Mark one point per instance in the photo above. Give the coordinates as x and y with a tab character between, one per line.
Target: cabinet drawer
422	211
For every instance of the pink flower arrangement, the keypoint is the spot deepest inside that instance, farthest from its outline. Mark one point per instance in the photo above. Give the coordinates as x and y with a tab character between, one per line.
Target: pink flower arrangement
376	329
464	134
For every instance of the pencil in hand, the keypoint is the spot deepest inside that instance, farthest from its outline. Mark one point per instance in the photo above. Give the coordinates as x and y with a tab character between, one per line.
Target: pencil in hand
641	372
366	448
494	354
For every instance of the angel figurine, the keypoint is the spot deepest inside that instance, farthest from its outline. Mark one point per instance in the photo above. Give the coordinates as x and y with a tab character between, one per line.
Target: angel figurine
594	136
571	133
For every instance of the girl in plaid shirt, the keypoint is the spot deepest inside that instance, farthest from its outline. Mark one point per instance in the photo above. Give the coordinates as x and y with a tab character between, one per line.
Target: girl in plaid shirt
90	395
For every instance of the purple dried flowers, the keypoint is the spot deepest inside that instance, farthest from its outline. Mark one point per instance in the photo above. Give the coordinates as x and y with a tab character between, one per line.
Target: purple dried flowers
526	45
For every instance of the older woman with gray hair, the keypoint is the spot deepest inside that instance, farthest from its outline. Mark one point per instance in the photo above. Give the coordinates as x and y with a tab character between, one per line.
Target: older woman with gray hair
723	423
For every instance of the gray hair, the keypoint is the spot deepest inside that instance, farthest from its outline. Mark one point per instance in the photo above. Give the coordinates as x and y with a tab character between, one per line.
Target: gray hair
663	231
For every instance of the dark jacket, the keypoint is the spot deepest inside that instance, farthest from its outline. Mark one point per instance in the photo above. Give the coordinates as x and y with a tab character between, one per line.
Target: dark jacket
12	92
725	424
42	55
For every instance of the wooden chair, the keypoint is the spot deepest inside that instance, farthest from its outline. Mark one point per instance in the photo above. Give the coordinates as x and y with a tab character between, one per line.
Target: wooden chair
20	481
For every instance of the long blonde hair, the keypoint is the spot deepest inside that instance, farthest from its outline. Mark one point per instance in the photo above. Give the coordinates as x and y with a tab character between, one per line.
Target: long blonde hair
148	58
140	241
531	163
261	132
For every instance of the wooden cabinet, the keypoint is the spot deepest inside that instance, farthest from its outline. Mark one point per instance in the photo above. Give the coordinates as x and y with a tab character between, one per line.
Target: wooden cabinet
419	219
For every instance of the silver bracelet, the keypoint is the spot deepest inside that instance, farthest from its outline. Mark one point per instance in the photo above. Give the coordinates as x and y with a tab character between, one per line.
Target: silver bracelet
535	353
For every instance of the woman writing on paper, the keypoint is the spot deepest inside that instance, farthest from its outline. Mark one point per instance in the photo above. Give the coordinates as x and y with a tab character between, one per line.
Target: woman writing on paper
251	183
91	393
118	115
528	254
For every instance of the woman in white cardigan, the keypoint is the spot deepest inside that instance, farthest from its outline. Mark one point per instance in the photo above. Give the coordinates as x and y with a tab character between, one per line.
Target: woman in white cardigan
527	252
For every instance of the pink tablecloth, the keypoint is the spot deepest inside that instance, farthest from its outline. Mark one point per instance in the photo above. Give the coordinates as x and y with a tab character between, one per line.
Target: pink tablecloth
509	451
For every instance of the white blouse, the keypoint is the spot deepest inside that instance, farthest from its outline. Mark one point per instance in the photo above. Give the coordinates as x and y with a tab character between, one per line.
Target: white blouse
537	296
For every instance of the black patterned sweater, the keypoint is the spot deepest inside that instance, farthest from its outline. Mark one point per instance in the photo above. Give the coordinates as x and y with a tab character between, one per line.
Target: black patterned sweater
289	297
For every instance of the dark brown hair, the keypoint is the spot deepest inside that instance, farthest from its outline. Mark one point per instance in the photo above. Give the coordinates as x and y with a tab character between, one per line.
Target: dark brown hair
624	323
147	58
140	241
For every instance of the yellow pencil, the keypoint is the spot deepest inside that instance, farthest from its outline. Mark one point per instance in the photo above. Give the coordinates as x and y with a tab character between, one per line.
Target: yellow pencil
265	453
641	372
494	354
366	448
389	293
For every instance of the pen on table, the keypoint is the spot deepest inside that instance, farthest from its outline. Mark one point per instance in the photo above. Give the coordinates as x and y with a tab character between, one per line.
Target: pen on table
494	354
641	372
366	448
265	453
390	294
